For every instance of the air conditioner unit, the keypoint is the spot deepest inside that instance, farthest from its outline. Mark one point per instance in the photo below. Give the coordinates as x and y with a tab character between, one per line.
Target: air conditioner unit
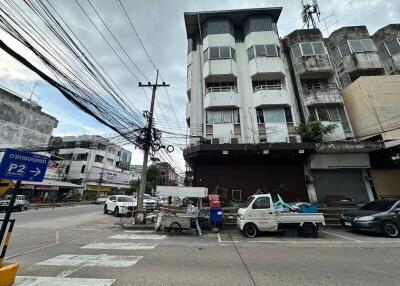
234	141
294	139
215	141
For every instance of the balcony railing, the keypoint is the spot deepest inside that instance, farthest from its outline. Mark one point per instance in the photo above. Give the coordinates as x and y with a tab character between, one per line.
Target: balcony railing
222	89
329	94
268	87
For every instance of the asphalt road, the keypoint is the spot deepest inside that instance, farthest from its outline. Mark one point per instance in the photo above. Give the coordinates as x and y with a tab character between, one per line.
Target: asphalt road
94	250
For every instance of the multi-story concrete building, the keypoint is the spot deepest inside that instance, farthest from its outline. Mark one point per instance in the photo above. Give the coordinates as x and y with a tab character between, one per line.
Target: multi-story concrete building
94	163
316	81
387	41
23	123
353	54
135	172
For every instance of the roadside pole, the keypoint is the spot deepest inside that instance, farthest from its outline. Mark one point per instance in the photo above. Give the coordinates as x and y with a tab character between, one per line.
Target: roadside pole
8	212
140	212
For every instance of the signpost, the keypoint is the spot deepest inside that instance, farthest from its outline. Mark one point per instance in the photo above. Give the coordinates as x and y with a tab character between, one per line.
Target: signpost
20	166
5	185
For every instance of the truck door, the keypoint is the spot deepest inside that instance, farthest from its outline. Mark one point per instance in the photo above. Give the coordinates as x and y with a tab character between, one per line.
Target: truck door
263	214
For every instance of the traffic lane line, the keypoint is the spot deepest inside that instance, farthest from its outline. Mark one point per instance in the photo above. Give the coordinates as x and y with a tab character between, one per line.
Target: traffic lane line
101	260
61	281
339	235
138	236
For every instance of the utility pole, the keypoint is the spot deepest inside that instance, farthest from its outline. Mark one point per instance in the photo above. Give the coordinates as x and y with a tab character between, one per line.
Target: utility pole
140	211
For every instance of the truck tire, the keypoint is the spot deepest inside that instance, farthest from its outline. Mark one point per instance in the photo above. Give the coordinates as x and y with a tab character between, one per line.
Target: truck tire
250	230
390	229
308	230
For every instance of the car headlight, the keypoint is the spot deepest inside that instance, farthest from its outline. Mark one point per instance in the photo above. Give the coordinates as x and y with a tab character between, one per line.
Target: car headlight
364	218
241	216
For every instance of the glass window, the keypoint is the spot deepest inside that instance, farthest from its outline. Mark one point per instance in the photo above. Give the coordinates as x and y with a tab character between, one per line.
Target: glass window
125	199
260	51
233	54
393	46
260	116
279	51
322	114
236	117
227	116
262	203
214	53
307	49
368	45
318	48
248	201
342	113
218	117
99	159
344	49
296	51
271	50
333	114
288	114
379	206
224	52
250	53
205	53
356	46
274	115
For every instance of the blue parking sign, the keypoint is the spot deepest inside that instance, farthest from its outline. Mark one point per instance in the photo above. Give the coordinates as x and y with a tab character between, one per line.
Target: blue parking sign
23	166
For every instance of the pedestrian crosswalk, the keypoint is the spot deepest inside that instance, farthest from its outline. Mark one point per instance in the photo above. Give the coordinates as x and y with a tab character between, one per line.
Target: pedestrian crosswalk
71	263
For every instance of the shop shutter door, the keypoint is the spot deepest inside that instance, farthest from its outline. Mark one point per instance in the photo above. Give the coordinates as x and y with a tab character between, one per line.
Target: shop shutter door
348	183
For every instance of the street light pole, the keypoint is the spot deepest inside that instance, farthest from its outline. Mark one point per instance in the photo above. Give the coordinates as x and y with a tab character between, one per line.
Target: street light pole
140	211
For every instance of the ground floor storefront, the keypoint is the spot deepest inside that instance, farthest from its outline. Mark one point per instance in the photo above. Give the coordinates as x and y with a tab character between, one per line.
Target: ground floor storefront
93	191
47	191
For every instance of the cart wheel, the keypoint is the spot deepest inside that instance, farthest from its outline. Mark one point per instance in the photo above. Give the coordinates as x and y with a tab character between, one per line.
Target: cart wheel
175	227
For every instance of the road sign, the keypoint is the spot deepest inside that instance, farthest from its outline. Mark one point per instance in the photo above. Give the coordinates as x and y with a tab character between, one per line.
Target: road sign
5	185
23	166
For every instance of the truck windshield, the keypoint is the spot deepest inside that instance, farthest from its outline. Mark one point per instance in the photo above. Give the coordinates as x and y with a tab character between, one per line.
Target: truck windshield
380	206
248	202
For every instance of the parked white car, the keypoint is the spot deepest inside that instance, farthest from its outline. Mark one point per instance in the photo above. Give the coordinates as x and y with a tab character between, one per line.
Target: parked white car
120	205
101	200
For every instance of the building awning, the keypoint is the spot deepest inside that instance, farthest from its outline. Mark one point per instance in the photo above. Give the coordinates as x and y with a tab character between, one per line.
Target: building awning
118	186
52	183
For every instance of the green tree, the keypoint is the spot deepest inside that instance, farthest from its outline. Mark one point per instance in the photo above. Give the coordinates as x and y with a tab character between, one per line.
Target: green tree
313	130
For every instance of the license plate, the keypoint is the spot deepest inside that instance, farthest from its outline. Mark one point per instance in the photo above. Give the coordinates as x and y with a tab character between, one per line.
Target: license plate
346	223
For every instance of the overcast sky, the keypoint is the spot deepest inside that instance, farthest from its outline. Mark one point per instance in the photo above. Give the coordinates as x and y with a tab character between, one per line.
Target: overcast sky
161	26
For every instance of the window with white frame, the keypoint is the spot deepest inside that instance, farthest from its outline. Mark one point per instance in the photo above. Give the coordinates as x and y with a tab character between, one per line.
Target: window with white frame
218	53
222	116
356	46
270	50
308	49
274	115
393	46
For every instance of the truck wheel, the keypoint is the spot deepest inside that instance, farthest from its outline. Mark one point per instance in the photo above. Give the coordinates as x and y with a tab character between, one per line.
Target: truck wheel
308	230
250	230
175	227
390	229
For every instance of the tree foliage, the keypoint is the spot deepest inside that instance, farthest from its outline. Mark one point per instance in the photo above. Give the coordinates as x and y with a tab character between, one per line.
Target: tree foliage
313	130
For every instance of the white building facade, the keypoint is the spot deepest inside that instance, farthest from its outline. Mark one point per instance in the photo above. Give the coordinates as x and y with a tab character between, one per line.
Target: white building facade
94	163
238	84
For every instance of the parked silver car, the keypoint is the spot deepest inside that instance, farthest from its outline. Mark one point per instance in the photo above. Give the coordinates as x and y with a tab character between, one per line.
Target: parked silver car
21	203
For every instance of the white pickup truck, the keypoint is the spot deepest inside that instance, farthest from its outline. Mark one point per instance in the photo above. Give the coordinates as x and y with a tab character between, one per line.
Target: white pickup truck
259	215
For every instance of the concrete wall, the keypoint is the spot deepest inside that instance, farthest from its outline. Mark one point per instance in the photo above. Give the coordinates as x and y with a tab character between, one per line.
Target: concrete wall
23	124
373	106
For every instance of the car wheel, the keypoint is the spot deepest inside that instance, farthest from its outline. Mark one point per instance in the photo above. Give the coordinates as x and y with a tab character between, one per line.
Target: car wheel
105	211
250	230
308	230
175	227
116	211
390	229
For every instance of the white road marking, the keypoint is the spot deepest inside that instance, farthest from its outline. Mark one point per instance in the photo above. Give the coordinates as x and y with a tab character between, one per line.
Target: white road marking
124	246
341	236
59	281
69	272
139	231
219	237
138	236
86	229
102	260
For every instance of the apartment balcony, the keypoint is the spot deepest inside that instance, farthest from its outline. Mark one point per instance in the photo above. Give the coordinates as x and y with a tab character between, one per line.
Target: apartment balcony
221	69
310	65
265	95
361	64
187	110
227	97
322	96
271	66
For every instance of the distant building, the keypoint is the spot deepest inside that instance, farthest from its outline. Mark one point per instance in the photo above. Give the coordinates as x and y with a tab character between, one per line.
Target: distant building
94	163
23	124
166	175
135	172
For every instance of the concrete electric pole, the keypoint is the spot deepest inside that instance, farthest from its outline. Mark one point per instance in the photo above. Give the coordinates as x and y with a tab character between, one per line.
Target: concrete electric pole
147	145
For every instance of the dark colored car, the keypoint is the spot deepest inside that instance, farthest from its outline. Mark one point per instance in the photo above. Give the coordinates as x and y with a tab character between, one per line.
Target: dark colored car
380	216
